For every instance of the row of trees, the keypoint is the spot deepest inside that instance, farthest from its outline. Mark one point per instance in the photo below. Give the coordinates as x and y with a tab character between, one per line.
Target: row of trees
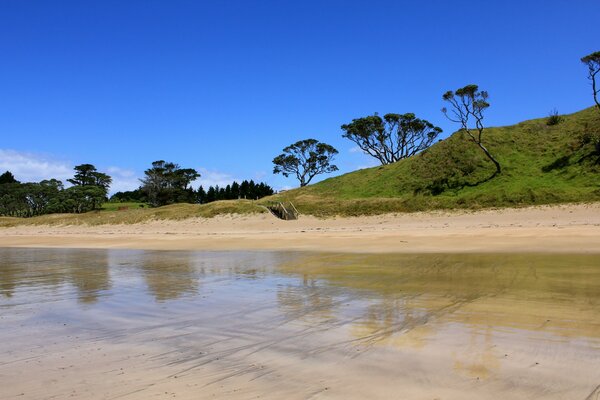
398	136
168	183
89	190
244	190
235	190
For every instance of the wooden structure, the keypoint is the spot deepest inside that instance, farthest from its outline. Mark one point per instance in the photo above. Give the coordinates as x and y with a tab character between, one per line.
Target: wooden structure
283	211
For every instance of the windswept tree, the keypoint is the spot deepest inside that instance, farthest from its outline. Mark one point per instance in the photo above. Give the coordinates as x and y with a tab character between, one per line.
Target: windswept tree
393	137
592	61
305	159
167	183
468	105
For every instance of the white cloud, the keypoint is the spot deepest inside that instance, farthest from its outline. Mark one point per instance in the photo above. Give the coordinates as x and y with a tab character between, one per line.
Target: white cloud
30	167
259	176
355	149
33	167
369	164
212	178
123	179
286	187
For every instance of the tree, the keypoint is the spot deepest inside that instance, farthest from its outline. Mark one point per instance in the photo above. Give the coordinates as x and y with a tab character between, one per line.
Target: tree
88	175
83	175
7	177
167	183
593	63
305	159
393	137
469	103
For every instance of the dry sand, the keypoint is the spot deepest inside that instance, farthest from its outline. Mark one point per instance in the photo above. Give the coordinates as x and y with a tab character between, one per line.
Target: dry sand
564	228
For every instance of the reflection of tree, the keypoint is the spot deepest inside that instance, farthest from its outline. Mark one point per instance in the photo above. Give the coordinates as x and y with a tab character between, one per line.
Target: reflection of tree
309	299
391	317
169	275
9	273
479	359
89	272
408	294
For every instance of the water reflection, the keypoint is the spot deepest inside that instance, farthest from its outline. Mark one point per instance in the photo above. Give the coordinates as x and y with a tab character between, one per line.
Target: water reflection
87	271
420	320
170	276
536	292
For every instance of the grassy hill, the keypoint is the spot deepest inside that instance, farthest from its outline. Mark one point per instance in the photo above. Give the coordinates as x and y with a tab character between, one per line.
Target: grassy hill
542	164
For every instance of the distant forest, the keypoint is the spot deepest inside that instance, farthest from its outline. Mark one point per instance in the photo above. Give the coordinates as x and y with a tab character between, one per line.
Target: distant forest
233	191
165	183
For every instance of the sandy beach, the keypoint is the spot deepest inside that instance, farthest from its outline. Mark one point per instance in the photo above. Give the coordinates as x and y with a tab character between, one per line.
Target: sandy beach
561	229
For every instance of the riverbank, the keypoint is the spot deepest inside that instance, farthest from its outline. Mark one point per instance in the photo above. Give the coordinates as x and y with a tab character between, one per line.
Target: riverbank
573	228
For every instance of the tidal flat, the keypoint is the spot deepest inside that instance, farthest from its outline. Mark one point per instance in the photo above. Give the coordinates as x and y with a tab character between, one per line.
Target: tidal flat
133	324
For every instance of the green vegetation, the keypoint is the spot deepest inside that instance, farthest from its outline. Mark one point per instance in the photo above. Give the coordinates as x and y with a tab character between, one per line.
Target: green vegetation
89	190
168	183
542	164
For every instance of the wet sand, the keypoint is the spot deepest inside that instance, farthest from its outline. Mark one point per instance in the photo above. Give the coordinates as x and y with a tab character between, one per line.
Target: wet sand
557	229
111	324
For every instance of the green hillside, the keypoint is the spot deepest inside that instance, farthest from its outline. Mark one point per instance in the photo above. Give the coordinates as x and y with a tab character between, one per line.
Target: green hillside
542	164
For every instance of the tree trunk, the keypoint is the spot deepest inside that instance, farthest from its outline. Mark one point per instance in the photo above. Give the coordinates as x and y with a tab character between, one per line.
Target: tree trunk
492	159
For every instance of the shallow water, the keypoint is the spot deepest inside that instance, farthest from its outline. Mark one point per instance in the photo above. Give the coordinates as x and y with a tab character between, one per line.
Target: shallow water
143	324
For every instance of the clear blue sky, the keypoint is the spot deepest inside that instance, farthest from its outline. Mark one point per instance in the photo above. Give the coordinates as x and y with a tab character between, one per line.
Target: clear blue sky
223	86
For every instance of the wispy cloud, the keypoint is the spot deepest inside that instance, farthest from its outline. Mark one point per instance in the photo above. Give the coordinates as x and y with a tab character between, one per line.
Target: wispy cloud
210	177
123	179
30	167
34	167
369	164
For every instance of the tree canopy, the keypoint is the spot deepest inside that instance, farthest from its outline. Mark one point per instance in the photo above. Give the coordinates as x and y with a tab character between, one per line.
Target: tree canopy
7	177
305	159
393	137
167	183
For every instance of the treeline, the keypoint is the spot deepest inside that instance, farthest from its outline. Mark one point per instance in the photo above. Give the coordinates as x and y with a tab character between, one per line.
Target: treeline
165	183
233	191
168	183
29	199
244	190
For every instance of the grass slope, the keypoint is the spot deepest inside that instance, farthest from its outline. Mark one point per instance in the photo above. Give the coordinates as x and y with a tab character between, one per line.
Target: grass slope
541	165
137	215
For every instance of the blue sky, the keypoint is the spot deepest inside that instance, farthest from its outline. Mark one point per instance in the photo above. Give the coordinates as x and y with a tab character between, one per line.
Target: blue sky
223	86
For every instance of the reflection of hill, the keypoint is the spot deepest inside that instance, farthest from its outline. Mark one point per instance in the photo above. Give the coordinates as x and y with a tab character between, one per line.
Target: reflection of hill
553	293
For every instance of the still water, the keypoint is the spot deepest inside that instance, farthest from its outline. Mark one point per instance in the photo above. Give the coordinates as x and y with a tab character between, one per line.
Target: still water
148	324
